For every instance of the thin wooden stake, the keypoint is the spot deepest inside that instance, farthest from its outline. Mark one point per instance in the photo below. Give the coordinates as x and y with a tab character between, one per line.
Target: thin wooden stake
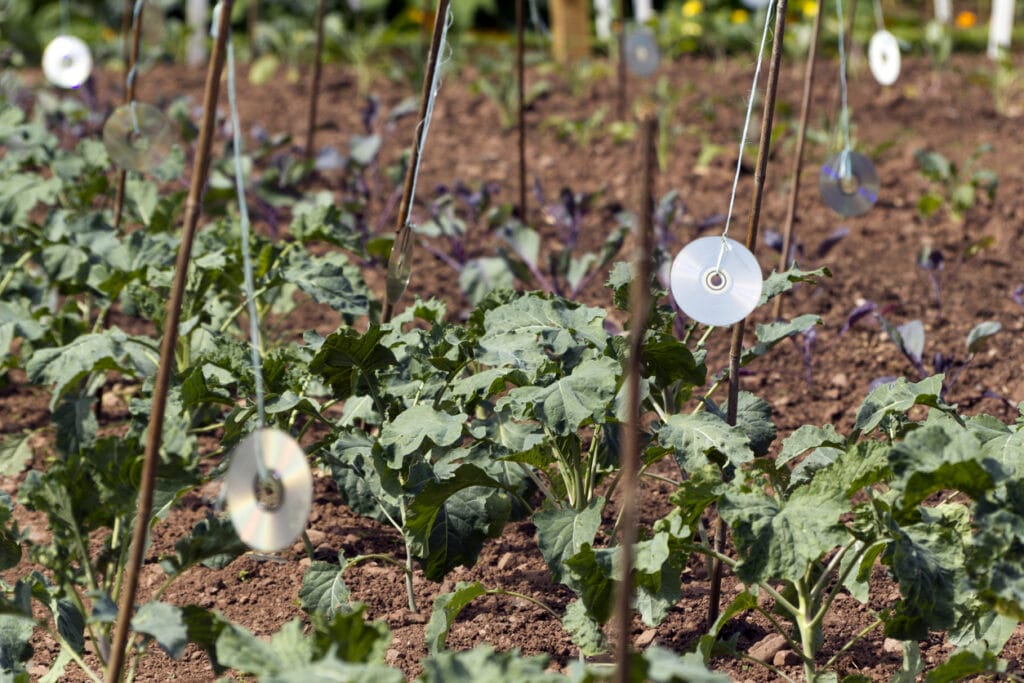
736	345
131	60
400	262
154	437
798	156
314	95
521	67
640	303
622	105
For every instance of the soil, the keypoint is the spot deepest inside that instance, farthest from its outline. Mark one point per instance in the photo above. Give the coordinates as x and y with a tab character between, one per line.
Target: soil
948	109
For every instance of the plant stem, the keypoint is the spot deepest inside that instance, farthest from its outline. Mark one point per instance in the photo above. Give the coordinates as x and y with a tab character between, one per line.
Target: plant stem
9	275
806	625
408	562
540	484
57	637
527	598
798	157
736	343
314	95
850	643
193	206
771	667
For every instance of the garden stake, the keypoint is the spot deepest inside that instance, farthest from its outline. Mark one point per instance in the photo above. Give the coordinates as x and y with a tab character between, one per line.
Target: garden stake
798	156
622	61
314	95
639	304
521	66
400	261
131	62
736	344
193	205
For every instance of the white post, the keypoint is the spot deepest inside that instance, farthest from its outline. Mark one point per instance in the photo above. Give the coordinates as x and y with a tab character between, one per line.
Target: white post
1000	27
943	11
196	13
644	10
603	19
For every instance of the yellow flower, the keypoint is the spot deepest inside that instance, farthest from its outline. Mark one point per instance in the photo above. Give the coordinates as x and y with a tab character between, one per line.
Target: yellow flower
739	16
415	15
810	8
690	29
966	19
692	8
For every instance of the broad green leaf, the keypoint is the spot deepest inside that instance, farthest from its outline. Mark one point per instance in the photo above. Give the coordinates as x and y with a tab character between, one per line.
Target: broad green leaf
925	559
143	197
530	331
864	464
330	279
348	360
994	565
658	568
980	334
363	149
20	193
112	349
898	397
75	420
590	574
349	637
70	623
165	623
770	334
754	419
15	633
931	460
332	671
10	546
239	649
808	437
14	453
467	519
584	396
779	283
964	664
417	429
698	436
665	666
909	337
782	539
584	630
481	276
425	507
323	588
482	663
667	360
561	533
446	610
212	542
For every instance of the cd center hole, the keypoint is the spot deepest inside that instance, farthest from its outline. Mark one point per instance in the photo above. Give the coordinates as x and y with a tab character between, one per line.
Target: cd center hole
716	280
848	184
269	492
67	61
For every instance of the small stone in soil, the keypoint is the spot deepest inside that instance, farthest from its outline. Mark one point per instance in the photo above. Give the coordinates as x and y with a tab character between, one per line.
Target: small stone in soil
892	646
646	638
786	658
505	561
764	650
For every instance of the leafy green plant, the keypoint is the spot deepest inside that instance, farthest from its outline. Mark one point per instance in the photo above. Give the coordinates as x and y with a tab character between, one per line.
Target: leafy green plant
580	132
953	188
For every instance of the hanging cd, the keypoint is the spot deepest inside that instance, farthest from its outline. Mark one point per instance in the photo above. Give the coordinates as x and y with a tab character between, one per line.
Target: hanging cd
138	142
642	55
884	57
849	183
269	515
67	62
712	293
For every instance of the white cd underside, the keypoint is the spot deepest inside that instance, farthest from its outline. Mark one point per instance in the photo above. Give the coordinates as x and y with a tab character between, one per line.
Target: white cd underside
712	294
884	57
264	526
67	62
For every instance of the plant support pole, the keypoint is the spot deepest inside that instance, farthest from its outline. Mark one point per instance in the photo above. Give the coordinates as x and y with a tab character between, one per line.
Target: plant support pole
798	156
154	437
400	261
521	67
736	343
640	295
314	95
131	57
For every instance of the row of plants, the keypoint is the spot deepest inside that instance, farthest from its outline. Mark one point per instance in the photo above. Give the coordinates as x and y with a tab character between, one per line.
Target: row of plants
447	431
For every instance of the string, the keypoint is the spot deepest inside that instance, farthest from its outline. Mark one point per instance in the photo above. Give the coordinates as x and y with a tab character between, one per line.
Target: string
844	117
65	20
536	20
435	86
243	210
743	137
